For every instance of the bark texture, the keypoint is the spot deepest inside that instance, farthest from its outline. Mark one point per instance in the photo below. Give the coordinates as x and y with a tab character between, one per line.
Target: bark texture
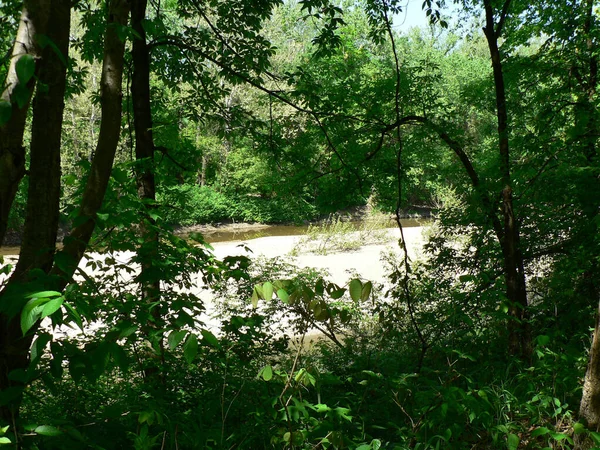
34	18
41	222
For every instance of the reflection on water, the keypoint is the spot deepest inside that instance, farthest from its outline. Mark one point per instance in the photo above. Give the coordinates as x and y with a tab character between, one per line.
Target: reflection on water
224	235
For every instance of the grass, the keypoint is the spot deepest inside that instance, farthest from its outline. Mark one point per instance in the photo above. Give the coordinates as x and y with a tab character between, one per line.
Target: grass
335	235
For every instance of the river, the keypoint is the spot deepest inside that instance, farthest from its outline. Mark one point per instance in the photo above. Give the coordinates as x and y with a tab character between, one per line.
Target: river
244	232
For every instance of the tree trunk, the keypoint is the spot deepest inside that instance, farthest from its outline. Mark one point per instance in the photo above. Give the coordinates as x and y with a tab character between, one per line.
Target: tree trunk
144	153
519	339
34	18
41	222
589	408
111	95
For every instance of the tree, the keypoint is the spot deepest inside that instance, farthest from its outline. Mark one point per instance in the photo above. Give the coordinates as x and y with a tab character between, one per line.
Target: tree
39	268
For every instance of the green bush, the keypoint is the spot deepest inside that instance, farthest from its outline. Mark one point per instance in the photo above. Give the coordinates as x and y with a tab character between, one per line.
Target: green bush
191	205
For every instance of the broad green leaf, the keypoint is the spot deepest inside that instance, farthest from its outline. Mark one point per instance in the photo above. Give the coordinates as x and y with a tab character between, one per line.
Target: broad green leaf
266	373
338	293
366	291
52	306
31	313
541	431
512	441
5	440
322	408
74	315
356	289
210	338
578	428
25	68
127	331
321	312
560	436
595	436
267	289
175	338
190	348
20	95
283	295
38	347
293	298
320	287
48	430
5	111
44	294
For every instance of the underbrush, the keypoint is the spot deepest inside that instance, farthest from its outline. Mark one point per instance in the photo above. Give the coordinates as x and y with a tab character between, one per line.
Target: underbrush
191	205
419	362
366	383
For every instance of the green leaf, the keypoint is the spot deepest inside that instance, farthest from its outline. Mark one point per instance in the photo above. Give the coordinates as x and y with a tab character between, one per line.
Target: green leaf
44	294
210	338
560	436
595	436
74	315
512	441
337	293
320	287
283	295
5	440
254	297
25	68
266	373
175	338
127	331
52	306
366	291
541	431
5	111
48	430
578	428
267	289
20	95
355	290
190	348
31	313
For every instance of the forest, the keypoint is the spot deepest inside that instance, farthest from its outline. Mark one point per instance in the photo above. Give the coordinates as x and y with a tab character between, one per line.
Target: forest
124	121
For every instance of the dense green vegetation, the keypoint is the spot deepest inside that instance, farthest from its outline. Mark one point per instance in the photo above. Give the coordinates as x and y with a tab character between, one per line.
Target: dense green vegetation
121	119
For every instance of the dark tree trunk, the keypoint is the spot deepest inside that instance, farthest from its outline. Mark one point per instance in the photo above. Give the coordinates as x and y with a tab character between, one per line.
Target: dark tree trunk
41	222
144	153
589	408
519	339
34	19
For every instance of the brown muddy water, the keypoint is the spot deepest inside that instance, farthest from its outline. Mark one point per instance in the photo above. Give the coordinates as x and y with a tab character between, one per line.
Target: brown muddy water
228	233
